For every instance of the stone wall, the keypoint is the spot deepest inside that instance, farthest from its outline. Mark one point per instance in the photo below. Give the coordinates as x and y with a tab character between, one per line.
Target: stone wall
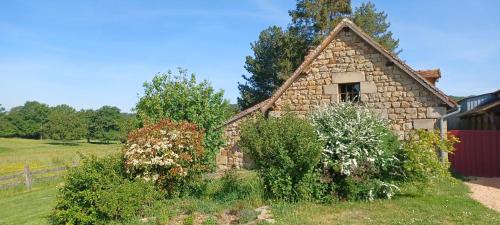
385	88
231	156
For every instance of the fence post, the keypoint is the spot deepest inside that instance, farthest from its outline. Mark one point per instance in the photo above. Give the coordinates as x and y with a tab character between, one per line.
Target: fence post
27	176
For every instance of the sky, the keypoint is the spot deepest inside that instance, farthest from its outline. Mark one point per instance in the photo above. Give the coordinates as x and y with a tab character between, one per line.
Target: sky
99	52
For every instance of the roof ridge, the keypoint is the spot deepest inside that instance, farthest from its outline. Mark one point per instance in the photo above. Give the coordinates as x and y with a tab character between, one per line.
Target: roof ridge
347	23
309	58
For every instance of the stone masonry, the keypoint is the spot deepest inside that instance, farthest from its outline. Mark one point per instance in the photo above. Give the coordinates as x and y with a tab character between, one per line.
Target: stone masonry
384	87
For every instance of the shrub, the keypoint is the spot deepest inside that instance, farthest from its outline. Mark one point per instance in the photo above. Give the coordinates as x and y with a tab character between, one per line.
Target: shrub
286	151
181	98
237	186
97	193
168	153
360	150
419	158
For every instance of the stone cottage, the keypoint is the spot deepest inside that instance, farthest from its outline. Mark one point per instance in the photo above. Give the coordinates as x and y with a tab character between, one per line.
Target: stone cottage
349	65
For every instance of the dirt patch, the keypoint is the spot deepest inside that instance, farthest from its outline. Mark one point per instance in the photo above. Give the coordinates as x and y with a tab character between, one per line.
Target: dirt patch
486	191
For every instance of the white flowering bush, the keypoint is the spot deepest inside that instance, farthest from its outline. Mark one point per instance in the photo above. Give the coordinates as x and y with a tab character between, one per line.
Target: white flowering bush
359	145
168	153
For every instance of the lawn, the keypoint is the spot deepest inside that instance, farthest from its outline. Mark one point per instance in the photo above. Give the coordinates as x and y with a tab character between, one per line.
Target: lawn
27	207
19	206
445	202
15	153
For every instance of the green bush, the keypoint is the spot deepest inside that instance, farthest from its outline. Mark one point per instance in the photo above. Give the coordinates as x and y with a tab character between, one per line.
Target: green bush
181	98
419	156
286	151
235	186
360	150
97	193
169	154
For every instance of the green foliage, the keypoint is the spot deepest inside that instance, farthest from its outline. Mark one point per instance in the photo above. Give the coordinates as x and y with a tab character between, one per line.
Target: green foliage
375	24
104	124
233	186
278	52
29	119
317	18
286	151
360	149
7	129
181	98
127	124
419	156
168	153
64	123
97	193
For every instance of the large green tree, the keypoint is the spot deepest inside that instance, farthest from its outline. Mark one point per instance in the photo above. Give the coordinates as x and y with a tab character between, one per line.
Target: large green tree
29	119
316	18
6	127
127	123
375	24
104	124
64	123
181	98
278	52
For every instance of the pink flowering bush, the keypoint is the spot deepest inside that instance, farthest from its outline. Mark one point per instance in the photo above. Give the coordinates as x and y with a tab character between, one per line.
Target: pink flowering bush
169	154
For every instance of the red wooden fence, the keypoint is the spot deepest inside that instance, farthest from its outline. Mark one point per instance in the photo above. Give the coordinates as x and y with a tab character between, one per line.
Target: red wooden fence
477	154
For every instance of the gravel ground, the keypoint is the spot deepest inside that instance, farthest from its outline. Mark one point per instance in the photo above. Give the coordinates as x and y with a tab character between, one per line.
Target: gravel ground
486	191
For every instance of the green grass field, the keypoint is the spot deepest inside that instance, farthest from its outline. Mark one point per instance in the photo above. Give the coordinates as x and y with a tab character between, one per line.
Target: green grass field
445	202
19	206
15	153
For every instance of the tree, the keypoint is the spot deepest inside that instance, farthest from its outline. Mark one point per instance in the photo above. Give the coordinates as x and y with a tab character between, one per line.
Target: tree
316	18
181	98
29	119
375	24
6	127
86	116
104	124
278	52
127	123
64	123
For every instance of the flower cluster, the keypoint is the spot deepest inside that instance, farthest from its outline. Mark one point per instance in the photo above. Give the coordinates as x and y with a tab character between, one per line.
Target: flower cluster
353	135
359	148
167	153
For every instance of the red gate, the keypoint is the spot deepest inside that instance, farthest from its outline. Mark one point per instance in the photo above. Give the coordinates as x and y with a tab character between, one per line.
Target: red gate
477	154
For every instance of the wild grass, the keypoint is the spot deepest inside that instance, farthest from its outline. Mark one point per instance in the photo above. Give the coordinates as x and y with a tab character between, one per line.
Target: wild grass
38	154
20	206
234	197
444	202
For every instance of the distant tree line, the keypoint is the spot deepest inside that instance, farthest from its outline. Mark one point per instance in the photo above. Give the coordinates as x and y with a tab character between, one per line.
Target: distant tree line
62	122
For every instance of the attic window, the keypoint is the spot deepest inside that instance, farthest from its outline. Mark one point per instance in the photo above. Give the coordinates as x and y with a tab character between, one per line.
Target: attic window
349	92
345	29
390	63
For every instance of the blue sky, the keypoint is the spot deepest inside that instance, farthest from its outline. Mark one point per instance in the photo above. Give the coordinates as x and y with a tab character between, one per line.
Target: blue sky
93	53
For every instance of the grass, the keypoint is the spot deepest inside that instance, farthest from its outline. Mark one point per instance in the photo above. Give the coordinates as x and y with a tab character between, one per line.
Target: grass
20	206
15	153
445	202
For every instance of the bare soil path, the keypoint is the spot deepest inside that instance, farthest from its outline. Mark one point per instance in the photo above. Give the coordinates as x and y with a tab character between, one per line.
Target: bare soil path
486	191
